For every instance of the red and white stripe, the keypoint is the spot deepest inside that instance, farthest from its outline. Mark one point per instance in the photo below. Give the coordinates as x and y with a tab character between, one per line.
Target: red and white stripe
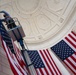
50	66
71	61
19	57
71	40
13	61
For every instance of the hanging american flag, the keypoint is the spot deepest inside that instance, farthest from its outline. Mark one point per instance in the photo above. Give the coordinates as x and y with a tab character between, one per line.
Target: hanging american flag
6	37
66	51
43	62
15	60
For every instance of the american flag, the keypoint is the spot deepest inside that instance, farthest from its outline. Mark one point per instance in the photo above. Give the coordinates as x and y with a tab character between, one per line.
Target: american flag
43	62
16	61
66	51
6	37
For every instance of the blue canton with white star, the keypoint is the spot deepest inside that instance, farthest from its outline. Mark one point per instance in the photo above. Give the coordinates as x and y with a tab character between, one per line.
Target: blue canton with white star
62	50
5	36
36	59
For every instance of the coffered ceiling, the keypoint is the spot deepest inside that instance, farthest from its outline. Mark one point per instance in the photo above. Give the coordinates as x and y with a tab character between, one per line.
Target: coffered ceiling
44	22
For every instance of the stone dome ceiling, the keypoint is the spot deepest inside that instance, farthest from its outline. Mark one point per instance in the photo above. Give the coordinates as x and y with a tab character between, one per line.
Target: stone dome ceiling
44	22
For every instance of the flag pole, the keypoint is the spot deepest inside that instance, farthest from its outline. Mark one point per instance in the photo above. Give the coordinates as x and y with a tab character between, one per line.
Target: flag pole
28	62
17	33
26	56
